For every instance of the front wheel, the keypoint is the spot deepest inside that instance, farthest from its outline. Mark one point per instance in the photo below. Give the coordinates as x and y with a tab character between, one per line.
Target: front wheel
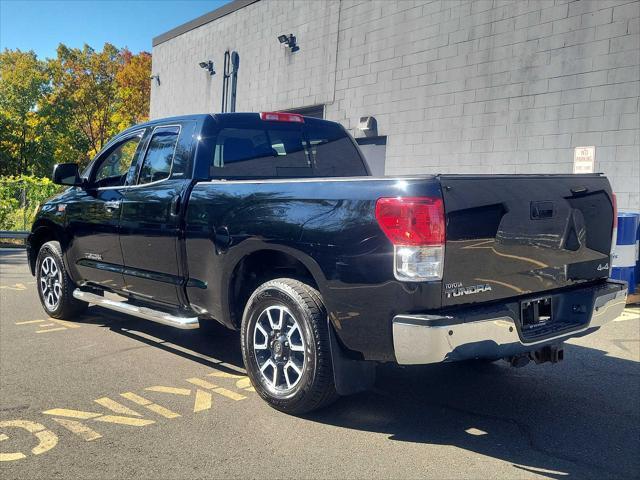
55	287
285	346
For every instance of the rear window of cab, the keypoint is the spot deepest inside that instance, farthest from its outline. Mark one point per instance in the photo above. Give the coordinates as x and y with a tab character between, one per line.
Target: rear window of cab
268	149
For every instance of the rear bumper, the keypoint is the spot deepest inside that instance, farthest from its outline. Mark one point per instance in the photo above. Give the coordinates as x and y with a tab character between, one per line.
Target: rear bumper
495	332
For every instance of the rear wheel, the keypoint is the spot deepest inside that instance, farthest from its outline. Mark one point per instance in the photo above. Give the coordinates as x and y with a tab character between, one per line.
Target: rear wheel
285	346
55	287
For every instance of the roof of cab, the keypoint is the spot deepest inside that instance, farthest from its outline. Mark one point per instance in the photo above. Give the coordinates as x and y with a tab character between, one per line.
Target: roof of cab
221	117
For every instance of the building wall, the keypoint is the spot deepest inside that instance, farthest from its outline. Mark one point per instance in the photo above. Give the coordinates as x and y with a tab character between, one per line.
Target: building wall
483	86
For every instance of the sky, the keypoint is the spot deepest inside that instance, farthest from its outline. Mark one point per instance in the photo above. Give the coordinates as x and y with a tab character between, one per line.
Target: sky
40	25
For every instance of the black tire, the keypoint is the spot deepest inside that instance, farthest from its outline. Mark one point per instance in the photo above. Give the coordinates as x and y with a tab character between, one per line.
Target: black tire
314	388
65	305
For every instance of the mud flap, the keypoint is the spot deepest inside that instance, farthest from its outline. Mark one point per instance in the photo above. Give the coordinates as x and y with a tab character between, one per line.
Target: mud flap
350	376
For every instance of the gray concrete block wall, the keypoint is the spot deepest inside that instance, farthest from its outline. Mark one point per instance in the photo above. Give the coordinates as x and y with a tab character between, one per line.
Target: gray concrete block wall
270	77
457	86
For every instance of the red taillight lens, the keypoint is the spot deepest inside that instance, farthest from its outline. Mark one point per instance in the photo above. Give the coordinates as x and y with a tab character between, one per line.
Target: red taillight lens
412	220
282	117
614	201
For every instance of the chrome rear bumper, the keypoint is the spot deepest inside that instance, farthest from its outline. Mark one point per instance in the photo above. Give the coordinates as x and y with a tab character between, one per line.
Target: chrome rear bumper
423	339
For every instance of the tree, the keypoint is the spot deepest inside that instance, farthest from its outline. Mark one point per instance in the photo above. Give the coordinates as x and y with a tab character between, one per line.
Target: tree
23	83
67	108
85	88
134	89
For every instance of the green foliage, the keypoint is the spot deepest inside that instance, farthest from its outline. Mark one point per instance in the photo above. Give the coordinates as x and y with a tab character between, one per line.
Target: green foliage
20	197
23	86
65	109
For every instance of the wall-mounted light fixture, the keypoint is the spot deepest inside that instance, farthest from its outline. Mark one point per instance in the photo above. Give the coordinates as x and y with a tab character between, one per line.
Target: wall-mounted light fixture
368	126
156	77
208	66
289	41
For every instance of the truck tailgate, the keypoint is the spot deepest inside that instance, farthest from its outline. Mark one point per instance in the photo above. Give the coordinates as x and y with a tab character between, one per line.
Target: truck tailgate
517	235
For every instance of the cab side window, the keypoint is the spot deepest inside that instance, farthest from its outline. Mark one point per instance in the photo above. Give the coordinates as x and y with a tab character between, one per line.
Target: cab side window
158	159
113	169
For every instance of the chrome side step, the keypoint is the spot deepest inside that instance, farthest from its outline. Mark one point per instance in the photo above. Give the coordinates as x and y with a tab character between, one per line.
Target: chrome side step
184	323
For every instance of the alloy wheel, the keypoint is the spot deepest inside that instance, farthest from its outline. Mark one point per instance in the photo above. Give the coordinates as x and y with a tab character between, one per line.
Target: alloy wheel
50	283
279	349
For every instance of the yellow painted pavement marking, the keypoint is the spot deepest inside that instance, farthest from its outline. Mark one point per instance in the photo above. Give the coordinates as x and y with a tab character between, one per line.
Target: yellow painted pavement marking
136	398
29	321
172	390
18	287
46	438
210	386
51	330
64	323
201	383
203	401
64	412
82	415
133	422
79	429
165	412
116	407
245	384
47	325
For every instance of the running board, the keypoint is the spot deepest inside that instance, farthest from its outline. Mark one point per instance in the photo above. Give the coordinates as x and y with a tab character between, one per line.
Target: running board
184	323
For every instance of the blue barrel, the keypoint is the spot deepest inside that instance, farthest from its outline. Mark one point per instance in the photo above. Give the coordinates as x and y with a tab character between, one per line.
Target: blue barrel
624	257
638	256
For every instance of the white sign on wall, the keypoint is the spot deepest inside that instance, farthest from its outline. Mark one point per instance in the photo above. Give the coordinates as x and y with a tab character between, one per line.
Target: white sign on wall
584	159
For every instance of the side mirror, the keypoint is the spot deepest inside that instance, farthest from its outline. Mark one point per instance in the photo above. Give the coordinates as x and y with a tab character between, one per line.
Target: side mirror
67	174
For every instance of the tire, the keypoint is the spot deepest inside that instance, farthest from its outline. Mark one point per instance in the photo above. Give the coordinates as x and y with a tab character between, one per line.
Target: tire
55	287
285	323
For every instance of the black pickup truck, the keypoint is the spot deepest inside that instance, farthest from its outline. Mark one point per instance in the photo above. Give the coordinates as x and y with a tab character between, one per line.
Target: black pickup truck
271	224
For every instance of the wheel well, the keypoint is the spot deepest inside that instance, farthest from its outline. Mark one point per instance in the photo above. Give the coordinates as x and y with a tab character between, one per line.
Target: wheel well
41	236
257	268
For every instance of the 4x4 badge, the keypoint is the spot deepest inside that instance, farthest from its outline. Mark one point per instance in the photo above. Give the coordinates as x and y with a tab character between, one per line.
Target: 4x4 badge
603	267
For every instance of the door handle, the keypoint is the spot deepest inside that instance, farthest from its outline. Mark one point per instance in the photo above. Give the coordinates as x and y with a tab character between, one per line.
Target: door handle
174	209
112	204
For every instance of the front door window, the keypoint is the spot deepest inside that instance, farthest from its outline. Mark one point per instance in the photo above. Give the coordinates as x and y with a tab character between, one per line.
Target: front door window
113	170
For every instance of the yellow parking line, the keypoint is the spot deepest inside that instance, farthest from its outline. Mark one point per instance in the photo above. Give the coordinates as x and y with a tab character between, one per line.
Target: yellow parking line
46	438
63	412
201	383
229	394
29	321
133	422
172	390
79	429
165	412
47	325
51	330
64	323
210	386
245	384
116	407
136	398
203	401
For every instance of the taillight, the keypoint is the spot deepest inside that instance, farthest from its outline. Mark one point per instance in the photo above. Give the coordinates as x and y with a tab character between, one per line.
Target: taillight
282	117
416	228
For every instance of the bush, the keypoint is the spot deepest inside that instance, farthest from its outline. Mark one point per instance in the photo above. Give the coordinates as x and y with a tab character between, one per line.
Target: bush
20	198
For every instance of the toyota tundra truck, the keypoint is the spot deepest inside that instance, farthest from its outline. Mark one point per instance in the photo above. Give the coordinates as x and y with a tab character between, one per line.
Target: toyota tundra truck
271	224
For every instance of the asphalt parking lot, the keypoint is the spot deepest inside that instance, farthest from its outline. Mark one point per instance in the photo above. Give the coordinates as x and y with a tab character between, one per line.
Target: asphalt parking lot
107	396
